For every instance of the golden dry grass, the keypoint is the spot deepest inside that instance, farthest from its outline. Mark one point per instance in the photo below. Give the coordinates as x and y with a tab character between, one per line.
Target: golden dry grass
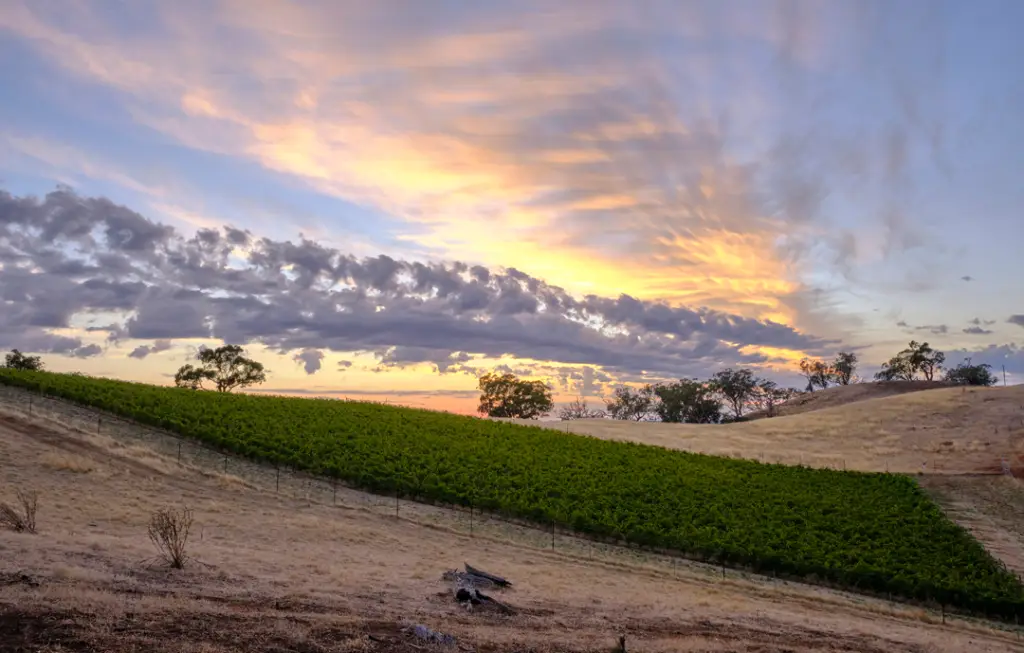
842	395
990	507
945	431
278	573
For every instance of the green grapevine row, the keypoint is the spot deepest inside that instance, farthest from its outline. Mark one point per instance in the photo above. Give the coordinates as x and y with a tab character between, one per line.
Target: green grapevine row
877	532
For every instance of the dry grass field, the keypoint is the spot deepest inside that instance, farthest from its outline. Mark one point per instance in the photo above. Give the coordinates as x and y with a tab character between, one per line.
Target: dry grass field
280	574
944	431
841	395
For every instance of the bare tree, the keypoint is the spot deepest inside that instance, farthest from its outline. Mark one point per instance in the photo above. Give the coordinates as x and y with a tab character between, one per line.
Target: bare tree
168	530
577	409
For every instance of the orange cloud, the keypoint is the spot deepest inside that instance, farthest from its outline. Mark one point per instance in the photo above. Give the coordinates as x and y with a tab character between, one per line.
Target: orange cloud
496	153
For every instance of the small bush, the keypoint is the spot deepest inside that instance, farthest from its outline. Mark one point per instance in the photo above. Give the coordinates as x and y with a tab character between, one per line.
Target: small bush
23	520
168	530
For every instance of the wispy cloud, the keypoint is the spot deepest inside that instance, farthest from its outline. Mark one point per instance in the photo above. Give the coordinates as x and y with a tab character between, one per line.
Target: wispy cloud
552	138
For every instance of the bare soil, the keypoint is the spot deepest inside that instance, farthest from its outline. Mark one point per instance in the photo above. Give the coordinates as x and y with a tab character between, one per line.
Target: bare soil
940	431
274	573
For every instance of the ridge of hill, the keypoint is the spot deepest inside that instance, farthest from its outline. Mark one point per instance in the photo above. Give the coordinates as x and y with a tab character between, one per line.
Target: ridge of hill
847	394
953	430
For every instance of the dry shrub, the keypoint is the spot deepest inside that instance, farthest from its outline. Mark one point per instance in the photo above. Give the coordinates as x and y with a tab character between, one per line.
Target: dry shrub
68	463
23	520
168	530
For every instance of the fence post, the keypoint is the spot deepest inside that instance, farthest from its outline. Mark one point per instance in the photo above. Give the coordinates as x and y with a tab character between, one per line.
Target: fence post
943	613
225	463
99	423
396	502
30	405
334	491
179	451
277	485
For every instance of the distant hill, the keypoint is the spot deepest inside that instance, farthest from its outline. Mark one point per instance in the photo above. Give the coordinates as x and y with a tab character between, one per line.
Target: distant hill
946	430
848	394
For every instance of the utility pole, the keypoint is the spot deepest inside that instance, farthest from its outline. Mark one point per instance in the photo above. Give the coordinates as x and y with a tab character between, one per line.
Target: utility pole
1004	376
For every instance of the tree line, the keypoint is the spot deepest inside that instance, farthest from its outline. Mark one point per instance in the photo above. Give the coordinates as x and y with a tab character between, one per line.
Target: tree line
727	396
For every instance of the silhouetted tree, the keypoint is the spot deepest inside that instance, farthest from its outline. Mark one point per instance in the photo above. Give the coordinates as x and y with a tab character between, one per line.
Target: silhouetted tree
19	361
768	395
967	374
688	400
506	395
916	358
817	372
843	367
226	367
632	404
737	387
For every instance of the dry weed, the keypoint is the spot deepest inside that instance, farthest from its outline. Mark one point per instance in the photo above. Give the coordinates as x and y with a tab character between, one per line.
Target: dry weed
68	463
168	530
23	520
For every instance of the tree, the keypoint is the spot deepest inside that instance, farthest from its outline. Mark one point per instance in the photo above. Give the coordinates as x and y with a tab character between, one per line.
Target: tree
632	404
19	361
844	366
768	395
926	359
506	395
577	409
967	374
817	372
226	367
897	368
688	400
737	387
916	358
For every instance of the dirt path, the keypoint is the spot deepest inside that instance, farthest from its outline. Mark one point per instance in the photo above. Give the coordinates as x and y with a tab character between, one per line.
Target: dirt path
277	574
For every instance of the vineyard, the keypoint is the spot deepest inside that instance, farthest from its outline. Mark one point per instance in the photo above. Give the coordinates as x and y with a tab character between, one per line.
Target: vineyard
875	532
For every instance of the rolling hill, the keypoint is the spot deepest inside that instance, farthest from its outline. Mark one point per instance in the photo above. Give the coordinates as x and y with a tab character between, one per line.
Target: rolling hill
952	430
875	532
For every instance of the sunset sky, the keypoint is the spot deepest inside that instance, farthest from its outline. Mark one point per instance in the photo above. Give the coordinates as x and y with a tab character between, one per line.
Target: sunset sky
385	199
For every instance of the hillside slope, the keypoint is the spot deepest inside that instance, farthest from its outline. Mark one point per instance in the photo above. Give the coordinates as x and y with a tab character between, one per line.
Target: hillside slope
277	572
870	531
848	394
948	431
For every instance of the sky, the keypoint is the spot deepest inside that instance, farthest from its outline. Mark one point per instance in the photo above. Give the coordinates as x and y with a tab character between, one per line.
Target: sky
385	200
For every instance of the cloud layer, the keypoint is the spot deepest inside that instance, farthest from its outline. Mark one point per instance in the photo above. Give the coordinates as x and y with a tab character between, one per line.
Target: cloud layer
69	259
591	144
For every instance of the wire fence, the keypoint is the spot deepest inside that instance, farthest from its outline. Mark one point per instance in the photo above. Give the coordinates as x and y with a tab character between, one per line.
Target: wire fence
289	482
